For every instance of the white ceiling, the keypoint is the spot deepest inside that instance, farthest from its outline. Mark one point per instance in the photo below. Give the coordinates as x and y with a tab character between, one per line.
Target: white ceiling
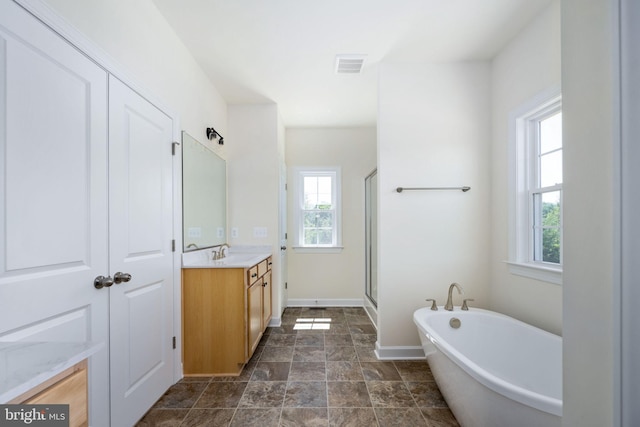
283	51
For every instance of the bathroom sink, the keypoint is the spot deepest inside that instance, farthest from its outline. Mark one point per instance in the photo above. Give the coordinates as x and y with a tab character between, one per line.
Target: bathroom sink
237	258
233	260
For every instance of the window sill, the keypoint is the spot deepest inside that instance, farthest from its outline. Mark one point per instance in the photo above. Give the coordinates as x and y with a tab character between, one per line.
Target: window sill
536	271
318	250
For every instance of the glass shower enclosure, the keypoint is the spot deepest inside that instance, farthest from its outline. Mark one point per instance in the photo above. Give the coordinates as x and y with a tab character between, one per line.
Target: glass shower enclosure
371	242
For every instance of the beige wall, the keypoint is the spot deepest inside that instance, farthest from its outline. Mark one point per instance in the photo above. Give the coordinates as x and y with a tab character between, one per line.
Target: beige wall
253	168
434	129
136	36
335	276
527	66
589	126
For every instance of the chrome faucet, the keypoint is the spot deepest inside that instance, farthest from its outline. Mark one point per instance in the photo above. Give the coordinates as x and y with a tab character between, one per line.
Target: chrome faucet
449	305
222	250
220	253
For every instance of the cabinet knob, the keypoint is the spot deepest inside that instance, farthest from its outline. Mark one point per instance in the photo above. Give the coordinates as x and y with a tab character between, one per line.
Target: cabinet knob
254	275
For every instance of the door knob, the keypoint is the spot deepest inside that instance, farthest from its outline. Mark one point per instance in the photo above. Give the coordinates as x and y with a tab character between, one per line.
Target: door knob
102	282
120	277
283	248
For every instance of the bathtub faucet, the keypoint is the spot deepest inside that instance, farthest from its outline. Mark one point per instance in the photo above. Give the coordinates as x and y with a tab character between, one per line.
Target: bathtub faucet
449	305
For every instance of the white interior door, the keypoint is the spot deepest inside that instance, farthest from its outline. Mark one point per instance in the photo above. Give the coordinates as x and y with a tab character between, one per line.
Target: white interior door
141	233
53	202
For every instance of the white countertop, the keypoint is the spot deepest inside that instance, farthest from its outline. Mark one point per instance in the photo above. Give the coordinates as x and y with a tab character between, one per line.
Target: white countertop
237	257
24	365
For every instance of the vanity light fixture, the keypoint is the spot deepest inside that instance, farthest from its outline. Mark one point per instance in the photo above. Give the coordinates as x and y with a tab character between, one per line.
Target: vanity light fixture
213	134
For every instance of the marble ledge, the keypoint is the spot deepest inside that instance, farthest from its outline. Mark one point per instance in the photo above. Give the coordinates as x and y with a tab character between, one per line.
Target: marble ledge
25	365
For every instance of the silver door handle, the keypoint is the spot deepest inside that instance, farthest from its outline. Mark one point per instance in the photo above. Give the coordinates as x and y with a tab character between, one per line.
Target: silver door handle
120	277
102	282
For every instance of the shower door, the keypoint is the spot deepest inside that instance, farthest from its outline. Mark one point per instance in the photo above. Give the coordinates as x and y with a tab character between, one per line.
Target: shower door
371	237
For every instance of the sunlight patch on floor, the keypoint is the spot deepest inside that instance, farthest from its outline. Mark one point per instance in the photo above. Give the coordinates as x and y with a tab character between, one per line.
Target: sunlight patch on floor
312	324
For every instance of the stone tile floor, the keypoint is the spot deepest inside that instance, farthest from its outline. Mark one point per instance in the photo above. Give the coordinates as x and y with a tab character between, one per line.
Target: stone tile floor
317	369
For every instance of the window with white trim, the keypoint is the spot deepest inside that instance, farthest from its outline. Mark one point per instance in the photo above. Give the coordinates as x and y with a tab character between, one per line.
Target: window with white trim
536	182
318	213
546	191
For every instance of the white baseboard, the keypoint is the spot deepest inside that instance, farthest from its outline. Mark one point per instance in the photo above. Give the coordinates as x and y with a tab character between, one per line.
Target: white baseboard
355	302
275	322
399	353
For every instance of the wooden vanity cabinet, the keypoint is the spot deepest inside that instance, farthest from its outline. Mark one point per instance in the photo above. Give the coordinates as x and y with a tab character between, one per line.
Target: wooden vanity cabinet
225	311
255	314
266	298
259	295
68	387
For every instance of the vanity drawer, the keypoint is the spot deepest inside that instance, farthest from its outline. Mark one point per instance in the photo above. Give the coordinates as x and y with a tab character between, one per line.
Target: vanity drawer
263	267
253	274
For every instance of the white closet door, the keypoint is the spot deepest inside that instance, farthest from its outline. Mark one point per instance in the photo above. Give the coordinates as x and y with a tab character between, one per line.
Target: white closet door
140	226
53	202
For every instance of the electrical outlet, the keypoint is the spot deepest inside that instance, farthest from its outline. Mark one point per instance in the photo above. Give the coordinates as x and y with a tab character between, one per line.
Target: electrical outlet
234	233
194	232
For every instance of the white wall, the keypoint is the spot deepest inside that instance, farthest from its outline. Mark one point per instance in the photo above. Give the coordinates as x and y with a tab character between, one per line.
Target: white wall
136	36
253	164
434	129
589	128
530	64
335	276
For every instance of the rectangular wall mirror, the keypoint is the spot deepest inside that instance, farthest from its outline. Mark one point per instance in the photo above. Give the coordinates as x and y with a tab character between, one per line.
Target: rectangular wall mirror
204	196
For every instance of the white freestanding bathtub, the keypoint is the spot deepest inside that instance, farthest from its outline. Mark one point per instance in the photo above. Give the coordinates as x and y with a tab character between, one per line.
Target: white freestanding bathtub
493	370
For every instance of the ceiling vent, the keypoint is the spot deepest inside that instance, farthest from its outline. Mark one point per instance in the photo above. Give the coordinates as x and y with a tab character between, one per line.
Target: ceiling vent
349	64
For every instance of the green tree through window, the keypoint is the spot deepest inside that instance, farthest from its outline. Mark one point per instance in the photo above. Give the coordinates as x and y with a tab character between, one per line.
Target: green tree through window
551	232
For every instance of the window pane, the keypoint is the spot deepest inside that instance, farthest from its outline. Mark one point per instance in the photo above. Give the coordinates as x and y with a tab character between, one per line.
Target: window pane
318	236
310	219
310	192
551	133
318	219
318	227
551	209
551	169
324	192
551	245
310	236
546	229
324	219
325	237
317	192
